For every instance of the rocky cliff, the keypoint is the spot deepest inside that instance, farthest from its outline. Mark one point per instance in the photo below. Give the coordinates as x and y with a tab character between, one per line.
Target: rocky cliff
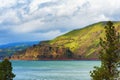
77	44
43	51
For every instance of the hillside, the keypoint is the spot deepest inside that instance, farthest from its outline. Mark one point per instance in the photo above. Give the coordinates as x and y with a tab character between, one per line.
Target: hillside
10	48
82	43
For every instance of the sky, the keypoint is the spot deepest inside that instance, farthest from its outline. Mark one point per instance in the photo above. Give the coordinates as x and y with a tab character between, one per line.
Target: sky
36	20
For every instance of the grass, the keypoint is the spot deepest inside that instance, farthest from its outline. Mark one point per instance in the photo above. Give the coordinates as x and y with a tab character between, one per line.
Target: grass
83	38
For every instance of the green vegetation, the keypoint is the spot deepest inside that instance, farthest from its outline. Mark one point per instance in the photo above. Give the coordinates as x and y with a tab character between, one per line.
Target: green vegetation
85	41
109	55
82	43
6	70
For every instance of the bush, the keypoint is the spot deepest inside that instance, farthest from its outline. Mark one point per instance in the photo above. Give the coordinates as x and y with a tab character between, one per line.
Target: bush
6	70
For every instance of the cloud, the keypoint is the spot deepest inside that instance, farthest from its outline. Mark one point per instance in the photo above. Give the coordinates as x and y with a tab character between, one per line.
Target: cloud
34	5
9	16
7	3
28	27
46	19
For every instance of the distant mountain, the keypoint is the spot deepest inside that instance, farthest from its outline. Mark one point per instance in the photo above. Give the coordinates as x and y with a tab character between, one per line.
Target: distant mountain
77	44
11	48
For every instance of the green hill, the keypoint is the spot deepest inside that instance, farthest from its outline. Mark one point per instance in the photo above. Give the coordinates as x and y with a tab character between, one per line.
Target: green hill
83	43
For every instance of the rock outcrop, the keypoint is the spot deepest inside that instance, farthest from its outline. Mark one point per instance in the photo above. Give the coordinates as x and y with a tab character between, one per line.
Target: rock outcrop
43	51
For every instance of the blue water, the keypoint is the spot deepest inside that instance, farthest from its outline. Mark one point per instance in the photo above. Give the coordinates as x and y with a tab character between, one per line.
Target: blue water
53	70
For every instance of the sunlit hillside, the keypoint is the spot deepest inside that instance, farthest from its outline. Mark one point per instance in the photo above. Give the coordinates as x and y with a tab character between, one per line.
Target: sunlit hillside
83	43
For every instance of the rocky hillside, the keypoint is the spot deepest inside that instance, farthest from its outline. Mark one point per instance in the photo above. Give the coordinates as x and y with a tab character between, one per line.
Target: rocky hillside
43	51
78	44
10	48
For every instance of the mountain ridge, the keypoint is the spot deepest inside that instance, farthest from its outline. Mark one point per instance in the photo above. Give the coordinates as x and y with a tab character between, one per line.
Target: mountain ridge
11	48
82	43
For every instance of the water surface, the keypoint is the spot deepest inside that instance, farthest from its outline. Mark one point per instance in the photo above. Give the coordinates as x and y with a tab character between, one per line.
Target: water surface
53	70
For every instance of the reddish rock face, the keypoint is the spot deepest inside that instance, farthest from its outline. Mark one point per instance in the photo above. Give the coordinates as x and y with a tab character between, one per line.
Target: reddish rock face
43	52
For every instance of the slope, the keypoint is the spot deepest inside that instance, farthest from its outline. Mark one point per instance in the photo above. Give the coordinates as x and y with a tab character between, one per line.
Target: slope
10	48
82	43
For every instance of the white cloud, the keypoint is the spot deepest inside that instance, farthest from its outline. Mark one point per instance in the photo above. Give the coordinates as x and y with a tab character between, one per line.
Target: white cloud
22	1
34	5
54	17
7	3
9	16
28	27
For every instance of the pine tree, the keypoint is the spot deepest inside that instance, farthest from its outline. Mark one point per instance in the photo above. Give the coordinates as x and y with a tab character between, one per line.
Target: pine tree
6	70
109	55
